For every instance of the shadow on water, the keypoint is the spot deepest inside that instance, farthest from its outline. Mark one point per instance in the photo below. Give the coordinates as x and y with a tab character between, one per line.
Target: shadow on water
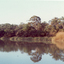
35	51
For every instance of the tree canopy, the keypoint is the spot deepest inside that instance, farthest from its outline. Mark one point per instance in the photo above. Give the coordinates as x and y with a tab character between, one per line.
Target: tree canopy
33	29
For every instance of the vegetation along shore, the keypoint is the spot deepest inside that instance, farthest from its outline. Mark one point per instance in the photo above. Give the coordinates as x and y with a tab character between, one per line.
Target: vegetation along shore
33	30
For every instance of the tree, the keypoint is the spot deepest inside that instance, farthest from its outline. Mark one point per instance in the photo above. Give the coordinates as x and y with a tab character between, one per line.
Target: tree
55	21
20	33
35	22
36	19
2	33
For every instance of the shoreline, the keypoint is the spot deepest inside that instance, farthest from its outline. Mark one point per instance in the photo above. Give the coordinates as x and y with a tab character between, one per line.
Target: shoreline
46	40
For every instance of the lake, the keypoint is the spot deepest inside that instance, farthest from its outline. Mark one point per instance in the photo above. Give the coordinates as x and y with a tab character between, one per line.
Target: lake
30	53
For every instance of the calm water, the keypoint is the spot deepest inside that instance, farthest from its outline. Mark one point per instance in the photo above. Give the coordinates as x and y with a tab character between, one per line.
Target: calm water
25	53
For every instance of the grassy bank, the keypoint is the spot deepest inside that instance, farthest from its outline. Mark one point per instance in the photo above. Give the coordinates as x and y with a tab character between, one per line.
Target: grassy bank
32	39
29	39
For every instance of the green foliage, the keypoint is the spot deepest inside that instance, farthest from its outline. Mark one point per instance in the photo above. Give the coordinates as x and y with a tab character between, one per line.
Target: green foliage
55	21
35	18
33	29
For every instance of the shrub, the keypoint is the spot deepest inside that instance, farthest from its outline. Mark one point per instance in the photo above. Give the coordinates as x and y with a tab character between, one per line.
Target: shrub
59	40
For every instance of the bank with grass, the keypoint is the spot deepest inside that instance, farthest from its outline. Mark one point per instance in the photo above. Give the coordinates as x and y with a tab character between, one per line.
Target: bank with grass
32	39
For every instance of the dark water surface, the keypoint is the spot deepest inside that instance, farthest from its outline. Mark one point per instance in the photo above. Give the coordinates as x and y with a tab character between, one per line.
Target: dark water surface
30	53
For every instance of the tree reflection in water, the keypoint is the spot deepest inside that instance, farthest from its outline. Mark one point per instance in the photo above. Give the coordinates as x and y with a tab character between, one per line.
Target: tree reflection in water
36	56
35	51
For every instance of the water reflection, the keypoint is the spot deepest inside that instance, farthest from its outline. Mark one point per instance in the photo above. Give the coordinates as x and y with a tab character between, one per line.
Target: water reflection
36	56
59	44
35	51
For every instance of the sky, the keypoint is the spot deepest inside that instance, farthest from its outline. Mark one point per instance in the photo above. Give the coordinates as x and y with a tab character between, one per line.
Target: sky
17	11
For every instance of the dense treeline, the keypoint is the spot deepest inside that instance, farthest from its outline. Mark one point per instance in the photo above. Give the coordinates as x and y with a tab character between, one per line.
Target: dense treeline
34	28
